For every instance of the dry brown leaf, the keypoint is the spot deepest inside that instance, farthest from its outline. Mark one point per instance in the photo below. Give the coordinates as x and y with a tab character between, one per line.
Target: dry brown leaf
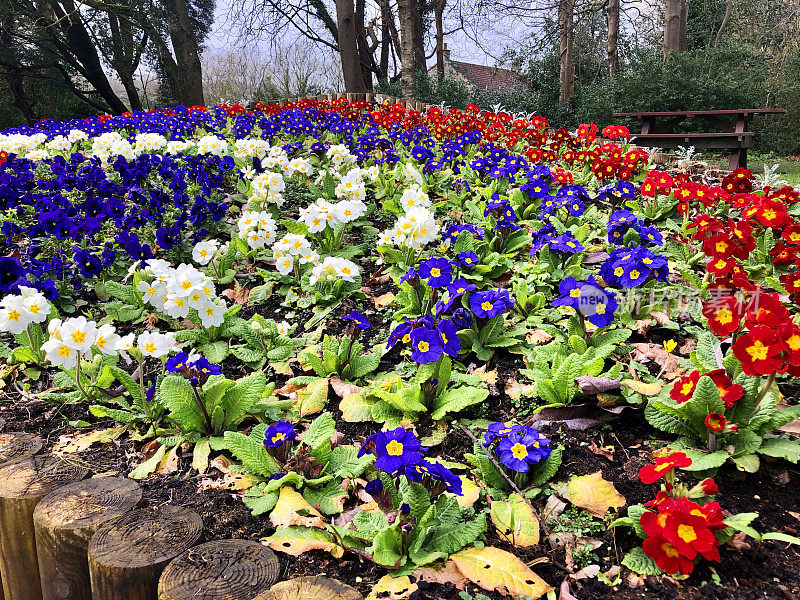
230	480
238	293
688	347
488	377
635	581
342	388
538	336
393	588
288	388
563	591
645	352
642	326
441	573
660	317
607	451
78	442
383	300
737	542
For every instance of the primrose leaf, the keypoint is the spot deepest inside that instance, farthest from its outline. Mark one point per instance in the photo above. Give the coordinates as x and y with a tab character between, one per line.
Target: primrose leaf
494	569
515	521
295	540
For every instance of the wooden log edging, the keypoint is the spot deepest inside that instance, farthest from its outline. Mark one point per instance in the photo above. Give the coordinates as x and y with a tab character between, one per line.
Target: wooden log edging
22	485
65	520
128	554
306	588
16	446
220	570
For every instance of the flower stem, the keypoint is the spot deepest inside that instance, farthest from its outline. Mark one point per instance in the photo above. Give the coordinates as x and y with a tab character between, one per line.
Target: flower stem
767	385
203	408
78	379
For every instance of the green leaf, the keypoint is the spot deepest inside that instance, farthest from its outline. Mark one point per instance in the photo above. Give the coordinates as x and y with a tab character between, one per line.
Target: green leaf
320	431
178	397
702	461
214	352
148	466
386	549
747	462
545	471
126	293
250	450
344	462
242	397
330	499
638	562
457	399
781	448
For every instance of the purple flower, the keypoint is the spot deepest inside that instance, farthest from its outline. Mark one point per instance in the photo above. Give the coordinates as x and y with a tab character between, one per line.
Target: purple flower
461	318
450	341
374	487
401	333
426	345
437	271
175	363
278	434
410	275
521	449
357	318
489	304
11	272
394	449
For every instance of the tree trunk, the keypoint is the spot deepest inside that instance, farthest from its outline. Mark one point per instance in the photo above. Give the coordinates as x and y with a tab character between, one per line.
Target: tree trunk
22	485
128	555
189	77
566	74
674	26
235	569
419	42
365	58
406	8
438	9
612	44
386	39
348	47
65	521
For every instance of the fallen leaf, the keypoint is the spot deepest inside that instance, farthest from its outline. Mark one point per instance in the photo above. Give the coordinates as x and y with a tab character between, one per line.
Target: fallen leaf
640	387
288	388
78	442
644	352
238	293
515	521
661	318
591	492
488	377
312	398
230	480
515	389
441	573
292	509
295	540
577	416
642	326
494	569
564	593
589	572
383	300
635	581
596	385
392	588
794	514
342	388
607	451
737	542
469	492
536	337
553	508
170	462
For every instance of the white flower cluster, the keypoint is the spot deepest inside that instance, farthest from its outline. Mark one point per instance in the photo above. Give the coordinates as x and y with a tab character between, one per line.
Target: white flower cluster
176	147
293	247
323	213
17	311
251	147
268	187
339	155
211	144
148	143
415	228
19	144
257	228
412	197
410	173
298	166
59	144
174	291
334	268
351	186
111	144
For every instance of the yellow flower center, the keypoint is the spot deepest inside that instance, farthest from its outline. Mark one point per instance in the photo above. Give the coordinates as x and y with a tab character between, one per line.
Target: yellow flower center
13	315
486	306
724	316
394	448
423	346
758	351
635	274
435	272
150	347
519	451
687	533
79	337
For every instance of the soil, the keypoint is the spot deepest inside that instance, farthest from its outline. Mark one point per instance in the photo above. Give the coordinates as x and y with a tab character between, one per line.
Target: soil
766	571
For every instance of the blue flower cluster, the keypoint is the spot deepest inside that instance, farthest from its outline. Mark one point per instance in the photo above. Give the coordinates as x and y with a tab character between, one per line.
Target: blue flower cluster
621	221
518	447
595	303
633	266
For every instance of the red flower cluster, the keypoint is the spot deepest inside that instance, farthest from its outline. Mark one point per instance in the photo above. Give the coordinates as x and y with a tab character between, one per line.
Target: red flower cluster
680	531
663	466
683	388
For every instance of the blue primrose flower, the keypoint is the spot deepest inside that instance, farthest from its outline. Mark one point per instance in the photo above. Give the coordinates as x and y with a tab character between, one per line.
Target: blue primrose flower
374	487
468	259
498	430
358	319
437	271
566	243
461	286
278	434
451	344
521	449
438	472
394	449
11	272
426	345
489	304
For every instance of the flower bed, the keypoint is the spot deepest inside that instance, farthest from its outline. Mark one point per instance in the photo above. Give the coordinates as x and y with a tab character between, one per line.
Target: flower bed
416	351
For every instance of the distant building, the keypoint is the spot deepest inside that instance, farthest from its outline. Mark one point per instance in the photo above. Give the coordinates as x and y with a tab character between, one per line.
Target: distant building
481	76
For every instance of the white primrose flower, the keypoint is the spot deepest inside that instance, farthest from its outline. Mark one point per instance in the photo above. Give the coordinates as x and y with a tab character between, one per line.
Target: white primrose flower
414	197
285	264
203	252
211	144
58	354
332	269
14	317
153	293
283	328
78	333
184	279
153	343
176	306
107	339
76	135
212	314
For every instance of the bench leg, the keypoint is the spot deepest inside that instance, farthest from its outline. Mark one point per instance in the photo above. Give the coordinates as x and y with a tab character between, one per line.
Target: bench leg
738	159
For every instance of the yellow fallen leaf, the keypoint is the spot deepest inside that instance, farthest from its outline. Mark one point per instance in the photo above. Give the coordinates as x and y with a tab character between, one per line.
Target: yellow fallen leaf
383	301
591	492
296	540
441	573
645	389
312	398
392	588
293	509
495	569
170	463
78	442
515	521
469	492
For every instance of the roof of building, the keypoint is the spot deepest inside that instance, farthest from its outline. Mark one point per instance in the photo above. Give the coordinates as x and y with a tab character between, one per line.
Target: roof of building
489	78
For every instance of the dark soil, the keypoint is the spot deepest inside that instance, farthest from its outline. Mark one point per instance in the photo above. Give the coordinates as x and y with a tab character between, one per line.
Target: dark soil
769	571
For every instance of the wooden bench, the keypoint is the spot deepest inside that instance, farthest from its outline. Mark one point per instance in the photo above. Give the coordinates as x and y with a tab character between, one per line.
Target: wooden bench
658	130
